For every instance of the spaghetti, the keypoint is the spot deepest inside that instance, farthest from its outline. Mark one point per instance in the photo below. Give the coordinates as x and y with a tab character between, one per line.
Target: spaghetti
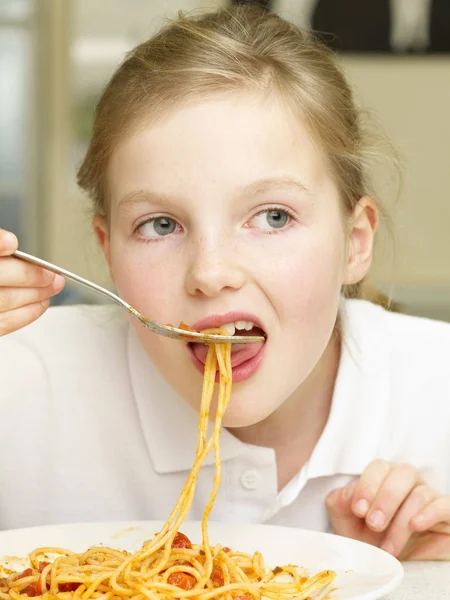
169	566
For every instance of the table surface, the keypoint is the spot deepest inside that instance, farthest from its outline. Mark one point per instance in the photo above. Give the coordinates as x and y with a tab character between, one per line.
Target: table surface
423	581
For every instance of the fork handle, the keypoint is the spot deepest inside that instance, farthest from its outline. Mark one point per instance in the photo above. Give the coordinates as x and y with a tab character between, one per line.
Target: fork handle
68	275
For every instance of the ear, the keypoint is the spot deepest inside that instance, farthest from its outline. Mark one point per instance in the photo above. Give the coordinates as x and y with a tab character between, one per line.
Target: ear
363	226
101	230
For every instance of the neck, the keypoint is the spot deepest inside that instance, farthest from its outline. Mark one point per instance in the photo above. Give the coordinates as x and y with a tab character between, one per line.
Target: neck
295	428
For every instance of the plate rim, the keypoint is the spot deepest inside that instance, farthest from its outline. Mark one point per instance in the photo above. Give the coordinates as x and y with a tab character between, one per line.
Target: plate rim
122	525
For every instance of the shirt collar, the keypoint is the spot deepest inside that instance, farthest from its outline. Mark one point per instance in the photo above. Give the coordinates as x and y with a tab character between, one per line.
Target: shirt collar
169	424
352	435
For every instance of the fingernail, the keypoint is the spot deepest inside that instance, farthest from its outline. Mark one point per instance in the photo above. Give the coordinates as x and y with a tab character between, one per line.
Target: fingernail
332	497
58	282
388	547
9	241
376	519
361	508
347	492
48	276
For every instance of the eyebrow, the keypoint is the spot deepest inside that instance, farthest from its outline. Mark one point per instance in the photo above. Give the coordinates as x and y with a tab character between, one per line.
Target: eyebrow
257	187
139	196
270	183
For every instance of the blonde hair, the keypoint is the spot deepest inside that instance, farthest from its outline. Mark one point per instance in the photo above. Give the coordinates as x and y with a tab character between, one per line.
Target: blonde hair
239	49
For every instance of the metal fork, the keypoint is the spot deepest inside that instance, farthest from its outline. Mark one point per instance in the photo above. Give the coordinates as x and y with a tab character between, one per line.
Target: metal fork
165	330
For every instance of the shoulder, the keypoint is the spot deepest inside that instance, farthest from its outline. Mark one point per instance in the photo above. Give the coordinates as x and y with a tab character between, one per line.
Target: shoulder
406	367
411	340
64	340
411	356
71	323
61	321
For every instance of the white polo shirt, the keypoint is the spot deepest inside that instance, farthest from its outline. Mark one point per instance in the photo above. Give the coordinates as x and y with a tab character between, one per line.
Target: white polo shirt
89	430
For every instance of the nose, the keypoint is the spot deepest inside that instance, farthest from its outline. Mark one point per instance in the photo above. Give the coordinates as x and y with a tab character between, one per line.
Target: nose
213	270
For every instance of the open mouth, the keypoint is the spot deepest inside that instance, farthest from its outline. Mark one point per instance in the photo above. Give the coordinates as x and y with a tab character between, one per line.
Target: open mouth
245	358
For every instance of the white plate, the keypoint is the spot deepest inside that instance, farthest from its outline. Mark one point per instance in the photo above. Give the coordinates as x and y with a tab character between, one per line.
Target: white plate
363	571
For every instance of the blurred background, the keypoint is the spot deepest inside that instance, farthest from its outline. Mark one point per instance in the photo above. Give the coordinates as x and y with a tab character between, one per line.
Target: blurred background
56	56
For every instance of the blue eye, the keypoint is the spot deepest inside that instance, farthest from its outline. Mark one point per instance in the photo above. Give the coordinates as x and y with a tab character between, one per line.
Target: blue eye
271	219
158	227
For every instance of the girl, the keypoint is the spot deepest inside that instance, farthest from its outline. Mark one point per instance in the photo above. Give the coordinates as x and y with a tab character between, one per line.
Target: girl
226	170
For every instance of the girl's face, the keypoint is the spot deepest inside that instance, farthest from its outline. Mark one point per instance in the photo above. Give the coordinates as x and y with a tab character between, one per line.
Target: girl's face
225	212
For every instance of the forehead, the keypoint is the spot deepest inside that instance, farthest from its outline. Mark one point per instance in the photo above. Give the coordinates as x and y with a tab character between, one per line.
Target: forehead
221	143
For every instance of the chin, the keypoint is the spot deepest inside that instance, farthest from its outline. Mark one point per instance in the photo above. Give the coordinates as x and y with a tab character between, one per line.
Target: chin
237	417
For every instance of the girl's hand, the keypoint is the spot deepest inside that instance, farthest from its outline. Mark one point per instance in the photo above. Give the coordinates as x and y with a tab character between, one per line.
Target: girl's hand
390	506
25	289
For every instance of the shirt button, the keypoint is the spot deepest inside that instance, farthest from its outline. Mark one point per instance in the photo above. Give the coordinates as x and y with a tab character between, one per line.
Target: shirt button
250	480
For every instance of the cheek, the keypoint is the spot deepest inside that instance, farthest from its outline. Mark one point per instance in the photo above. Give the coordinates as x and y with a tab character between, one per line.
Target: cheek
154	286
151	283
304	279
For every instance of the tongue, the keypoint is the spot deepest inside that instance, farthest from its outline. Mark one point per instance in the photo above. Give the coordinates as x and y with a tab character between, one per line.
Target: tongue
239	352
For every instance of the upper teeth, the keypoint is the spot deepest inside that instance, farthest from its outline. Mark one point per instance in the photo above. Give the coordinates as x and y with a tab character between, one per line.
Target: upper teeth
230	328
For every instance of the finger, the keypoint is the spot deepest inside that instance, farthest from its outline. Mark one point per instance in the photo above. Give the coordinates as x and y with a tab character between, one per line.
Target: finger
20	317
368	485
435	516
394	490
18	273
427	546
8	243
338	504
12	298
399	532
